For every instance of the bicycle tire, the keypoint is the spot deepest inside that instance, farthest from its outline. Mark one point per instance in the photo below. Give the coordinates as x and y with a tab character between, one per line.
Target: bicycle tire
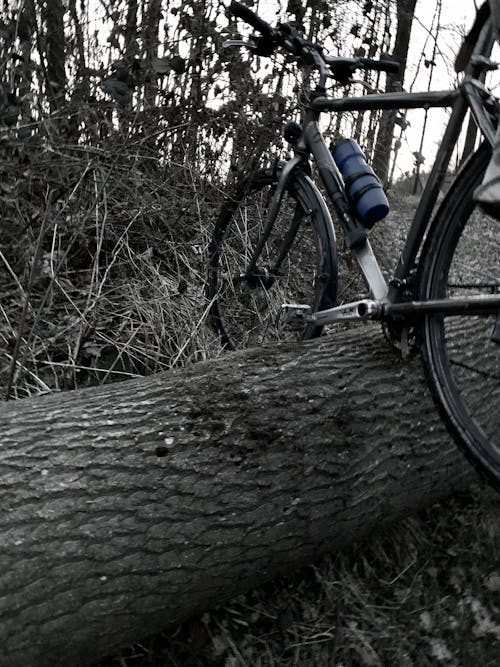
248	312
461	359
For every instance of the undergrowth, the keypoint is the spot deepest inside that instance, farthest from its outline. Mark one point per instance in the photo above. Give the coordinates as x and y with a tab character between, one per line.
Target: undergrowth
103	266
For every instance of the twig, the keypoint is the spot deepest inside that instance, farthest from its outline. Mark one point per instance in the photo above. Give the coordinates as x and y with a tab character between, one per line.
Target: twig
26	296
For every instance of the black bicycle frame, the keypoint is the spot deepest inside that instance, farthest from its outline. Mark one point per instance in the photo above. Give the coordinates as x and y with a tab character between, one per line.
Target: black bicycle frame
332	180
471	94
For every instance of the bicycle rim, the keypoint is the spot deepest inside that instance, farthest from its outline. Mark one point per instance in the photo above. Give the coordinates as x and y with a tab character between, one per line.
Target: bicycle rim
247	309
462	354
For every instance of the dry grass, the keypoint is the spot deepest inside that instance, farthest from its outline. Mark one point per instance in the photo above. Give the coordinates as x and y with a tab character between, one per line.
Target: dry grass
103	254
103	268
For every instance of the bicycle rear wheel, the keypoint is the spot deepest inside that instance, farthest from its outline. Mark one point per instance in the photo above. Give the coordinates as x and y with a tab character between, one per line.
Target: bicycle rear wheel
297	263
462	354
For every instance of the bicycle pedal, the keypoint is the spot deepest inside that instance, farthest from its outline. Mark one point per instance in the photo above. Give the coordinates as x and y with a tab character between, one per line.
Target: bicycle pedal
296	313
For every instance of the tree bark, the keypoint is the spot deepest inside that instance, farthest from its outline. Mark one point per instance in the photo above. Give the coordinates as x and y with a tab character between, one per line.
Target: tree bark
150	35
129	507
53	12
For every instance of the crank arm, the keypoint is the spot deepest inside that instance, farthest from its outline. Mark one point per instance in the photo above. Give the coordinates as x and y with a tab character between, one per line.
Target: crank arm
367	309
370	309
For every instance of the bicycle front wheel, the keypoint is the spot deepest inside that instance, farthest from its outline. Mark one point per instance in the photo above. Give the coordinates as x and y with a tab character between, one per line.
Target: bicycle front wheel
462	354
297	262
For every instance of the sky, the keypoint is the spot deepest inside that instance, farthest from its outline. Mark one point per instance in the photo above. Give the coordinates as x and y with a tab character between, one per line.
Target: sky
457	16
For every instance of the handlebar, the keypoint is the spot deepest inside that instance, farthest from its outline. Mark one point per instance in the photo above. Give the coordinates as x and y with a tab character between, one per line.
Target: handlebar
343	68
290	39
389	66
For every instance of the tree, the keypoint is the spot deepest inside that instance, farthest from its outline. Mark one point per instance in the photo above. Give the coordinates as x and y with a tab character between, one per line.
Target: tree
136	68
394	82
131	506
53	14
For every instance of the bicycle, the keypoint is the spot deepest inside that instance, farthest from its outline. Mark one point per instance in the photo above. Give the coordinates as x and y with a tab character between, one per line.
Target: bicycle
274	246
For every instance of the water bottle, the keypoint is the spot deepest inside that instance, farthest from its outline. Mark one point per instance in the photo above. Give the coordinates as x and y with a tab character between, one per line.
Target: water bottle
363	187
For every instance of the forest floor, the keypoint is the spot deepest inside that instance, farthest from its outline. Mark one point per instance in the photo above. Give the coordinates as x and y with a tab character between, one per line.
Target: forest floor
423	592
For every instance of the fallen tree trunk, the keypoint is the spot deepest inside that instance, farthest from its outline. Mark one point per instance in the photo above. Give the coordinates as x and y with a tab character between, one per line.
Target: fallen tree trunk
129	507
